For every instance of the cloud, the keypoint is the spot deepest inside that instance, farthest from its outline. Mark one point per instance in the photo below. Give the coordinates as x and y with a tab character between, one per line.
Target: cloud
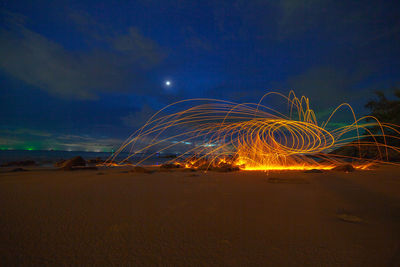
297	17
25	138
113	63
85	143
346	22
285	20
23	132
326	85
195	40
137	119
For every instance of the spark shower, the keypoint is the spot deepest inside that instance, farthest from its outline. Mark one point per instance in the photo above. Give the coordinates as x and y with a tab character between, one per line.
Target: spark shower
255	136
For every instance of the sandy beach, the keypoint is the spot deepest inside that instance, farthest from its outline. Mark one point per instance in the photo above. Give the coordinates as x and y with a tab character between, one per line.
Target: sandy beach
180	218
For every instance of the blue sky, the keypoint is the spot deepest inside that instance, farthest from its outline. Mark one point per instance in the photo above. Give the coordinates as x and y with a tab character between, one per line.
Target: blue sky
83	75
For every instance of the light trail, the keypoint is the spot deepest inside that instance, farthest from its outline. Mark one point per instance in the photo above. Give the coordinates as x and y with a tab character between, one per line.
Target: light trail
253	136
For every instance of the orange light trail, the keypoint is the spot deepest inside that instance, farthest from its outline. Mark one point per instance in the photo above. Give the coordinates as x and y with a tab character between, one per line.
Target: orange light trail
252	136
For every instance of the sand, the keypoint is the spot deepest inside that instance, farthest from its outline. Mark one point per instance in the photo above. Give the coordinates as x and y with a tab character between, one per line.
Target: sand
113	217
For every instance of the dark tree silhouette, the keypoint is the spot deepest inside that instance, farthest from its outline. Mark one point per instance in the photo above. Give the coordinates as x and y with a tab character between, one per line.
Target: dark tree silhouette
385	110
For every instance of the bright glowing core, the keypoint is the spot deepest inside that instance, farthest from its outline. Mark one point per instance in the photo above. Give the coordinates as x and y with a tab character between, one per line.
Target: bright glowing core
168	83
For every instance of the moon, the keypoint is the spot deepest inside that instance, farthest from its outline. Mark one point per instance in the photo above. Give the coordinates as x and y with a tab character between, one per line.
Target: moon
168	83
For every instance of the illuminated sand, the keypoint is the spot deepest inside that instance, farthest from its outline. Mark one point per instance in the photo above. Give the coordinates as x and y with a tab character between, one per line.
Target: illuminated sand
181	218
252	136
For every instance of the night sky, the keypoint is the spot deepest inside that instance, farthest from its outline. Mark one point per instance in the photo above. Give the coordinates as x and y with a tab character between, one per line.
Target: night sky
83	75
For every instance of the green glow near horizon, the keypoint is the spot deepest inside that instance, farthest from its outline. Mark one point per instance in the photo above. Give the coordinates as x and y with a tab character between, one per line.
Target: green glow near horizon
36	148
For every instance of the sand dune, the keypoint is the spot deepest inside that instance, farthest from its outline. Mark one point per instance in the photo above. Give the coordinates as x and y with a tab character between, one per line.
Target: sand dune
112	217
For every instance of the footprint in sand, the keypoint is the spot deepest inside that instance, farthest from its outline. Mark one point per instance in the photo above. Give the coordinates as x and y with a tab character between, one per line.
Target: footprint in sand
287	181
349	218
225	243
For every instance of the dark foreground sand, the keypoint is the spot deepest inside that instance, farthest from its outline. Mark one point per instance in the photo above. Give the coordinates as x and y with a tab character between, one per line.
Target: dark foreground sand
188	219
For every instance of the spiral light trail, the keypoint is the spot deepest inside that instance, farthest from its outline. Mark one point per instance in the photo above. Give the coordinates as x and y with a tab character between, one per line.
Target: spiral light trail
253	136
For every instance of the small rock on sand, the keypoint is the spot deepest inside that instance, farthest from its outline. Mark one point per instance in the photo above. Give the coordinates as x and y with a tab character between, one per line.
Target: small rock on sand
344	168
139	169
313	171
189	170
73	162
95	161
85	168
226	167
18	170
170	166
19	163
